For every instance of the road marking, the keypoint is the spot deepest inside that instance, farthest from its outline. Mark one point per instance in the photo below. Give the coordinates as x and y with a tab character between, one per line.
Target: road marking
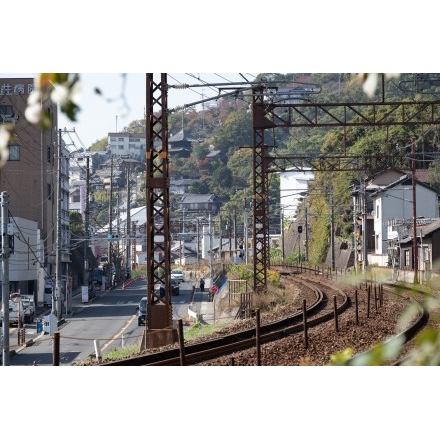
117	336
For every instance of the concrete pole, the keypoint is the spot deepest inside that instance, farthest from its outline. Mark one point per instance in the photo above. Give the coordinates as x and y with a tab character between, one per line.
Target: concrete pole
85	288
364	226
127	227
5	279
110	228
415	248
56	303
211	254
282	234
307	236
246	238
332	232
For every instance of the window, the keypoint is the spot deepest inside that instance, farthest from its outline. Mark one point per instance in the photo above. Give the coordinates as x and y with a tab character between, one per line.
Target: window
6	111
121	139
49	154
14	153
407	258
377	211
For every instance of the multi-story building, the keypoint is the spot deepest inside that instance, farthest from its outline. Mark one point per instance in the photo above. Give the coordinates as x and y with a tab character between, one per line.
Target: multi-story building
133	145
30	177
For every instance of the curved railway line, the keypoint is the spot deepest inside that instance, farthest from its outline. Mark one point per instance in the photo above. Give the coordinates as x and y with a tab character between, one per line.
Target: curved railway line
323	318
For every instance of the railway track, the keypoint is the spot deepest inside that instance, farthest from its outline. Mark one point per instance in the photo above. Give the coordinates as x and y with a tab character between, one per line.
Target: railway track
316	309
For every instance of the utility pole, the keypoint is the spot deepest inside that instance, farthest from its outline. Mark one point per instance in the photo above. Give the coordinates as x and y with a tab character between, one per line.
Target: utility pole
85	288
128	231
56	302
5	272
246	238
211	255
307	236
230	235
282	234
332	232
182	245
198	241
110	229
364	225
235	229
118	260
415	248
220	232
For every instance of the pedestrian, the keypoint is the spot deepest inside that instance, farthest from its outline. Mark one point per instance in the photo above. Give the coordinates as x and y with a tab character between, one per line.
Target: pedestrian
202	285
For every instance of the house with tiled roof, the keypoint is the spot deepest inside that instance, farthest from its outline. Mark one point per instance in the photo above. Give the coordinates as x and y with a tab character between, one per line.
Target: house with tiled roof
181	186
401	247
202	203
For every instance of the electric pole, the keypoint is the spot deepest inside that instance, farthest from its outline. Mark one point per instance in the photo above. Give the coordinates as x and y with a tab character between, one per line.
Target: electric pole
85	288
414	190
211	253
110	229
56	302
246	238
128	231
332	232
5	279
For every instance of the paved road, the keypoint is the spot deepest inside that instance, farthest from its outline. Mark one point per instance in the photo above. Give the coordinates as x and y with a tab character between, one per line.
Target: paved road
108	322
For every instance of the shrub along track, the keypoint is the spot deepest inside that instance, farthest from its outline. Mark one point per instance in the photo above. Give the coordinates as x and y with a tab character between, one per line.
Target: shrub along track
280	338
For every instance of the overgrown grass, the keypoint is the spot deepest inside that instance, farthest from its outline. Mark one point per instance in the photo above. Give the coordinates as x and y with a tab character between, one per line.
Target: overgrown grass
198	330
121	353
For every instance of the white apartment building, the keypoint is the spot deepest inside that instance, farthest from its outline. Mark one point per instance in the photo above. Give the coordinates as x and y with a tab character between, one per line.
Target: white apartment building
292	184
133	145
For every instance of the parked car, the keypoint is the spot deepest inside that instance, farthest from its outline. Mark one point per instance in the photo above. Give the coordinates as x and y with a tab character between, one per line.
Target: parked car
175	289
177	274
142	311
16	313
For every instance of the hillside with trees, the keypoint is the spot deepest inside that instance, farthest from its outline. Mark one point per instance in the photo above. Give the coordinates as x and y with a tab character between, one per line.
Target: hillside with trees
225	126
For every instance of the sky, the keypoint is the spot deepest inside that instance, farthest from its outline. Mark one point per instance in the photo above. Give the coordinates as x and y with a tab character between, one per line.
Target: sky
123	100
101	115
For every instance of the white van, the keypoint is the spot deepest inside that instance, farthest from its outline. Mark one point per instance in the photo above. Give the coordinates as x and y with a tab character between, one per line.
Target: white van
48	291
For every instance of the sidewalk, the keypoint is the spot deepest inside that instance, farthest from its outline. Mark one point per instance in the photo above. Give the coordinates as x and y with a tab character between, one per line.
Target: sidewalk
41	312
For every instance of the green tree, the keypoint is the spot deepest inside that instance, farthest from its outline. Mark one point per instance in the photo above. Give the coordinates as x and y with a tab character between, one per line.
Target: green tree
199	187
240	164
434	175
221	181
76	222
235	132
100	145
